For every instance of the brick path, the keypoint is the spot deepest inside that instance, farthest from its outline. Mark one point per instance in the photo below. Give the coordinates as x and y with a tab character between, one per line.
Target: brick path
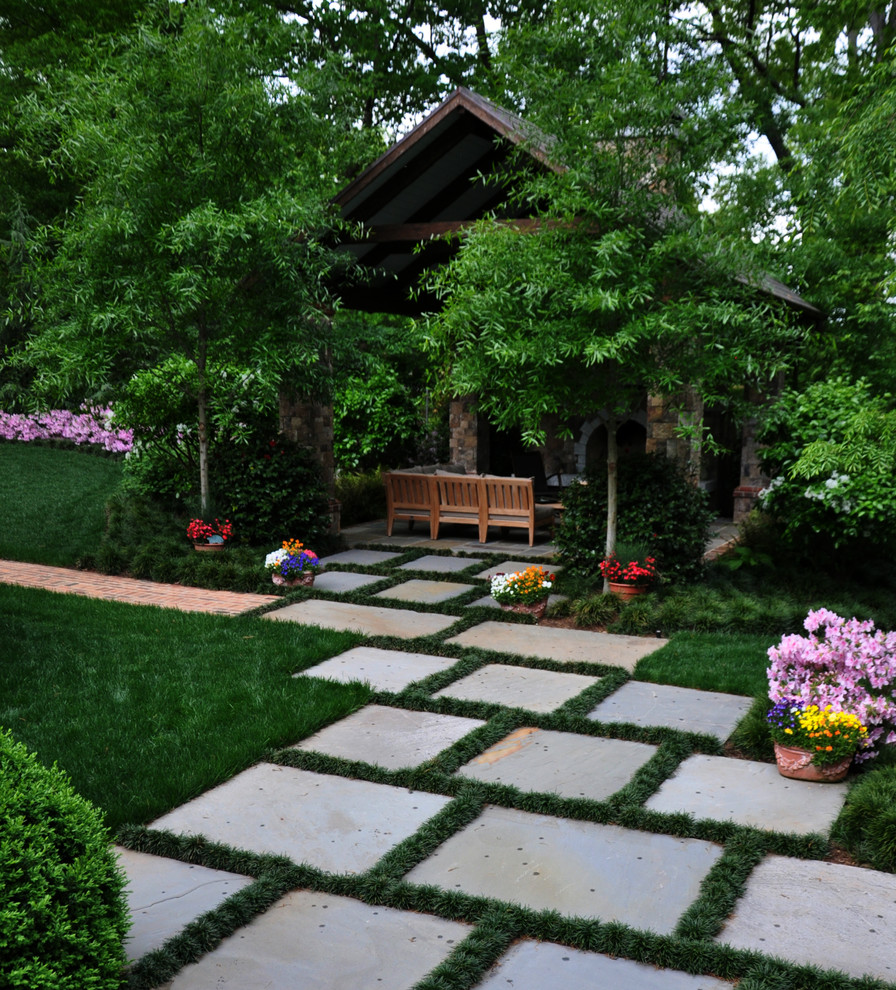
123	589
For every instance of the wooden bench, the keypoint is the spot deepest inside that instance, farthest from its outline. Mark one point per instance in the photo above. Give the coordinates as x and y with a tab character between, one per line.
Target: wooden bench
466	499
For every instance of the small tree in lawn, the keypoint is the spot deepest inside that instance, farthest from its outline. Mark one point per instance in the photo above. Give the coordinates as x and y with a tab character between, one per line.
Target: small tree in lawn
623	288
206	166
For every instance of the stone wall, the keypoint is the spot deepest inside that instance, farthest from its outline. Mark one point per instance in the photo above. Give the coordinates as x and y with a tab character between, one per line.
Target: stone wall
306	421
664	418
469	443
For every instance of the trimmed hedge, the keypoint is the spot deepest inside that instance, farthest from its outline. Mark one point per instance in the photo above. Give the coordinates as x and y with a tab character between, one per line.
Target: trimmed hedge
63	916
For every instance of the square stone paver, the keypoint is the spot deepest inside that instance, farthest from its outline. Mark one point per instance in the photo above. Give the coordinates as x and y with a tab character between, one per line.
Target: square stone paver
824	914
339	581
425	592
750	794
513	566
326	942
576	868
365	558
165	895
531	965
641	703
561	645
367	619
384	670
489	602
518	687
390	737
437	563
335	824
560	763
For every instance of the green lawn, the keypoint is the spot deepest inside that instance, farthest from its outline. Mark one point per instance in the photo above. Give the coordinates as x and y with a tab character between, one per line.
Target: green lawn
147	707
52	502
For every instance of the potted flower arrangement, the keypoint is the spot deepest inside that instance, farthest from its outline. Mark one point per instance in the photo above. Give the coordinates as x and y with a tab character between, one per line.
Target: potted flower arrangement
813	743
629	571
292	564
525	591
209	536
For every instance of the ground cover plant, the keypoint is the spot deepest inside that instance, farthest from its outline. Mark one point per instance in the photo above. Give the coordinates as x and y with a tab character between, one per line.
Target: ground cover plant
146	707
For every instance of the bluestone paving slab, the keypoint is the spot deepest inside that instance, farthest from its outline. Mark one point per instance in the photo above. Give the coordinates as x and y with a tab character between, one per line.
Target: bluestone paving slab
561	645
326	942
384	670
518	687
749	793
439	564
165	895
489	602
513	566
529	965
576	868
560	762
647	704
366	558
390	737
367	619
823	914
335	824
425	592
339	581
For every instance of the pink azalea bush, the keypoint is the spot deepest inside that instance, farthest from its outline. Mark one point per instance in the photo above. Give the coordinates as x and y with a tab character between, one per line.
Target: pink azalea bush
90	425
847	664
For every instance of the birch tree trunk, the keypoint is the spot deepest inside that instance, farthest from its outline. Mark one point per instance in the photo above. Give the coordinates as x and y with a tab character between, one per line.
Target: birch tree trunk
612	490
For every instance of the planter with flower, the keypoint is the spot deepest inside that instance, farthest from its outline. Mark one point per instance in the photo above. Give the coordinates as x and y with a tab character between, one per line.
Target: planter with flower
525	592
292	565
813	743
629	571
209	536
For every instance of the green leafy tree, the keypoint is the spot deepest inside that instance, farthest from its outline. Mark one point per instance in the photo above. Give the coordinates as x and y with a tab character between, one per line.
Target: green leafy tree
206	154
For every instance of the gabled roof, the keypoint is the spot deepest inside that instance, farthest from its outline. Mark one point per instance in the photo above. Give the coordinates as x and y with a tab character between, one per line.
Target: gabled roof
438	179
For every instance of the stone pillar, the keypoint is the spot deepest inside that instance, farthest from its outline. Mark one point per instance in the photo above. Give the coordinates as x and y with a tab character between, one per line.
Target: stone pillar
558	453
468	442
665	416
308	422
752	480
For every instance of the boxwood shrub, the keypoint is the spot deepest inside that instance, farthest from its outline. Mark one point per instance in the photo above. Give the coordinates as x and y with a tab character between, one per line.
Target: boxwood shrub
658	506
63	916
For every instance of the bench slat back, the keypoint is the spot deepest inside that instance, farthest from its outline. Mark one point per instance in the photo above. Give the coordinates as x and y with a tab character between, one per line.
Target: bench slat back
509	496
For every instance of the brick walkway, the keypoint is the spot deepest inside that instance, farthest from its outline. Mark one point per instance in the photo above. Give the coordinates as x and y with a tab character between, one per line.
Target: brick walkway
123	589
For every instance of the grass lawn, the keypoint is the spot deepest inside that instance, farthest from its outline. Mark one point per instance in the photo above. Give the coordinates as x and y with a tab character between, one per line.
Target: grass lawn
52	502
147	707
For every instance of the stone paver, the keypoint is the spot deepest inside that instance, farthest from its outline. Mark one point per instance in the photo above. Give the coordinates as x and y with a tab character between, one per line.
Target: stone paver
749	793
518	687
823	914
560	762
561	645
340	581
326	942
165	895
512	566
488	602
130	590
576	868
538	965
367	619
335	824
674	707
390	737
425	592
365	558
384	670
439	564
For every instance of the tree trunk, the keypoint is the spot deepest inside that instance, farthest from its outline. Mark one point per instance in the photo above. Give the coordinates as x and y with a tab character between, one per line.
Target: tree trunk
612	490
202	410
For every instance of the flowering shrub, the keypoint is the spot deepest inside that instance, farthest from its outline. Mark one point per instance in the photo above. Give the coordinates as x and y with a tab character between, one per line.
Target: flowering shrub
829	735
633	572
200	531
89	426
846	664
292	560
528	586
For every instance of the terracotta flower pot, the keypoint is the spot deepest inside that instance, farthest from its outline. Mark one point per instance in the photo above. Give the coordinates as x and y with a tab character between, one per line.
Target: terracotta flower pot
797	764
293	582
526	608
626	591
202	547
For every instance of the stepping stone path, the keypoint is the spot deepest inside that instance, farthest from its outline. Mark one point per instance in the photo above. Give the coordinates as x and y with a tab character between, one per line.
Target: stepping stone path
806	912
